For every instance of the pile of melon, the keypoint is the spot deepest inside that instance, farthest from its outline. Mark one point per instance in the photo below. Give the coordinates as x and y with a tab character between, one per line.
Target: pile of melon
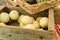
24	21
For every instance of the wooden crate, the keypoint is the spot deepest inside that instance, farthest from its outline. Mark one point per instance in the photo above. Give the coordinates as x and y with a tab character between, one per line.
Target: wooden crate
16	33
34	8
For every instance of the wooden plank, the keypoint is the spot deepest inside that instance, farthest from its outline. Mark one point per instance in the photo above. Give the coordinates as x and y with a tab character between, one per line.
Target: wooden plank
51	20
33	9
11	33
57	15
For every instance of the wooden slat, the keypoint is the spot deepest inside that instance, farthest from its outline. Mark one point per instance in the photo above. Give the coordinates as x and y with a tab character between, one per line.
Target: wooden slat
51	20
33	9
7	33
57	15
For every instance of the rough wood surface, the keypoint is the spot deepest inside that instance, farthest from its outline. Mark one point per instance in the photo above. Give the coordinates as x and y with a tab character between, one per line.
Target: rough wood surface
32	9
57	3
51	20
11	33
57	16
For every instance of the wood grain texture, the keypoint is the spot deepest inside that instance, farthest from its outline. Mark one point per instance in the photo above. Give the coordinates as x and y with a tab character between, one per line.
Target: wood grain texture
51	20
34	8
57	16
11	33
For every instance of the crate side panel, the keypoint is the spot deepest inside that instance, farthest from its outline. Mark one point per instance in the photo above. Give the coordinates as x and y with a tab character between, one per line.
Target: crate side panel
51	20
9	33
